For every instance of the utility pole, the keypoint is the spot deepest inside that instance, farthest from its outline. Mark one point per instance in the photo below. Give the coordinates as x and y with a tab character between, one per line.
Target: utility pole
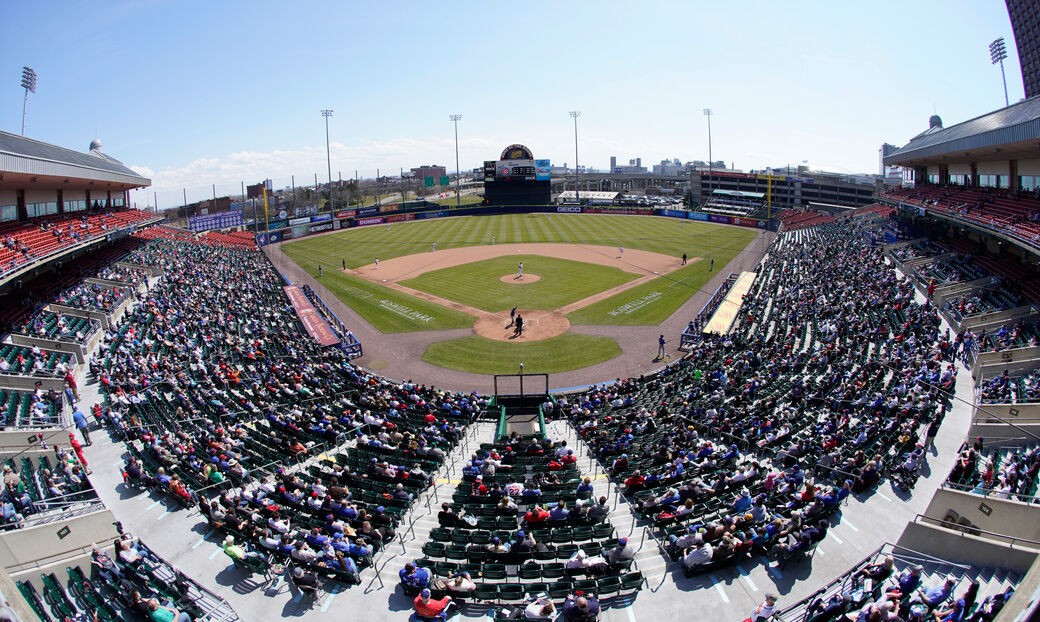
29	84
577	183
328	157
458	194
997	54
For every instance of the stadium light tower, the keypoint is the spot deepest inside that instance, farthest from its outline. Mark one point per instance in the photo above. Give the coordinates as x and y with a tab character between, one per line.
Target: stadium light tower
328	157
707	113
29	84
455	118
577	192
997	54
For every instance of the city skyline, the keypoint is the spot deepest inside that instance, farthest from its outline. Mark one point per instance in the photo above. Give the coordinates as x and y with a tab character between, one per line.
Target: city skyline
205	98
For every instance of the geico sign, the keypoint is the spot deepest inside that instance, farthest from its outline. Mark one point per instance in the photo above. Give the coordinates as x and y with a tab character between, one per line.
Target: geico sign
573	209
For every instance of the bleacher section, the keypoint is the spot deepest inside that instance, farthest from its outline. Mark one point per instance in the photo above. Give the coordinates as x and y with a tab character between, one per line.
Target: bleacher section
22	243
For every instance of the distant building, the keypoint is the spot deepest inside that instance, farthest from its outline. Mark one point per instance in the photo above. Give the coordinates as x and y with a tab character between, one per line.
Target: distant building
891	175
429	170
1025	21
669	168
635	166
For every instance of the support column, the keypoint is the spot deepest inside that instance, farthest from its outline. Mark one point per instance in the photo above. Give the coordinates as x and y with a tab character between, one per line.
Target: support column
23	213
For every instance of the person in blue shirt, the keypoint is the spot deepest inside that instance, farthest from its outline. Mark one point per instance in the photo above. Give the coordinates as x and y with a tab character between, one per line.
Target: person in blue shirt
908	580
414	577
935	595
560	512
743	502
81	422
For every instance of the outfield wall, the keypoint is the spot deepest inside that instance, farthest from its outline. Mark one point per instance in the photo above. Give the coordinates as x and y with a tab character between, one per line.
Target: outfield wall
368	216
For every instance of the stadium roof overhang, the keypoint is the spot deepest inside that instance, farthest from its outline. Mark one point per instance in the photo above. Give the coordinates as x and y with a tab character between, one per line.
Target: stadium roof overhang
1009	133
27	163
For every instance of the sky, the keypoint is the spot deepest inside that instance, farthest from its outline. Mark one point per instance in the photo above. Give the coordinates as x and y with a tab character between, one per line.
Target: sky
194	93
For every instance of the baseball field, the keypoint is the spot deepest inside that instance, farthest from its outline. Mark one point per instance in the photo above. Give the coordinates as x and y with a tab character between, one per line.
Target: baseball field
577	269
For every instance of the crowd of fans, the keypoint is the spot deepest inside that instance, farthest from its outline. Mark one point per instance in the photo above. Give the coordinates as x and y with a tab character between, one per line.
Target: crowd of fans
832	379
225	408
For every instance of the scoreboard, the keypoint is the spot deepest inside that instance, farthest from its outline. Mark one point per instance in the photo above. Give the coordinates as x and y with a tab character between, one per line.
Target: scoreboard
516	169
516	178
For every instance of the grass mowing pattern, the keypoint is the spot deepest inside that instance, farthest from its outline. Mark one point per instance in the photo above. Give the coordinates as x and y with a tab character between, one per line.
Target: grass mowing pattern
360	245
666	293
486	356
391	311
478	284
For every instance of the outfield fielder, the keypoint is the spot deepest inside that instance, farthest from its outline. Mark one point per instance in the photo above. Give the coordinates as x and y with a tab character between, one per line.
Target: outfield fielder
620	251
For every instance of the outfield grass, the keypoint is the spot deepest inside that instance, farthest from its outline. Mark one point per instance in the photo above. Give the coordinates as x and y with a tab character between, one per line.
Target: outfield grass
487	356
478	284
359	246
654	301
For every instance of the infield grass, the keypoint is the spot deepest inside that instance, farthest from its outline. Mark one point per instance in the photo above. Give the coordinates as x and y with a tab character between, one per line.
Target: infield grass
479	284
487	356
669	236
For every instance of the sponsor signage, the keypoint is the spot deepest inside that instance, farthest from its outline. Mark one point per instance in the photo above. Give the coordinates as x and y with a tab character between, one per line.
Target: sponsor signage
321	217
370	221
542	169
325	227
278	224
392	207
697	216
346	213
400	217
674	213
316	325
426	215
263	239
569	209
620	210
800	180
720	219
365	211
745	222
218	220
299	221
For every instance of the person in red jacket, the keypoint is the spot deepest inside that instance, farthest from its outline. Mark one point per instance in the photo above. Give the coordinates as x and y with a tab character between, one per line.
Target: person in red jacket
428	607
536	515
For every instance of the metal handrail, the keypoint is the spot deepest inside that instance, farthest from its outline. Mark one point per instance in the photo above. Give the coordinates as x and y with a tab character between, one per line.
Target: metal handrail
963	528
986	492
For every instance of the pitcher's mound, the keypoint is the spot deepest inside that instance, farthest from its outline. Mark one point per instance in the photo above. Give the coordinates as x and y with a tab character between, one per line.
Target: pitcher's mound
538	325
514	278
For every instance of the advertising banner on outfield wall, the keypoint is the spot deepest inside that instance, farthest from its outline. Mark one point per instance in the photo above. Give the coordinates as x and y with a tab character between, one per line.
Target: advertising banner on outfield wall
719	219
346	213
391	207
426	215
673	213
400	217
321	217
277	224
370	221
619	210
697	216
263	239
569	209
365	211
299	221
